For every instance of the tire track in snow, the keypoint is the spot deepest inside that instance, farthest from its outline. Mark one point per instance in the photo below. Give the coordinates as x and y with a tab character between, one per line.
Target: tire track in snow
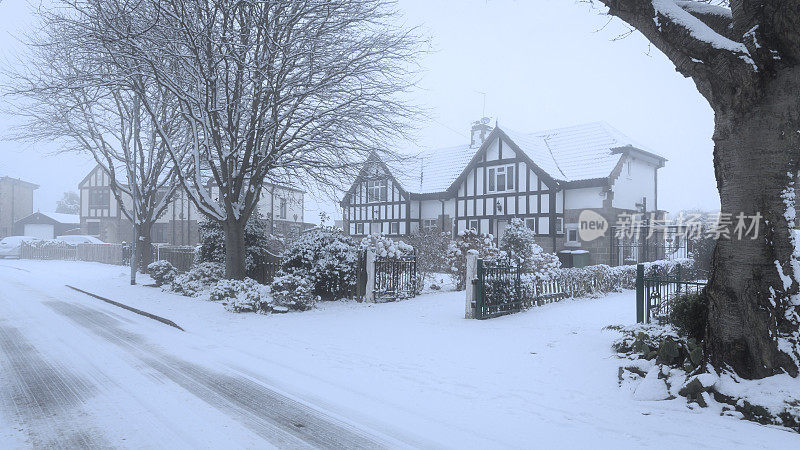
277	418
44	397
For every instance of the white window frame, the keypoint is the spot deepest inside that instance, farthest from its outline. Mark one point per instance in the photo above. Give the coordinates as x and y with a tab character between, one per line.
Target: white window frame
394	227
360	228
470	227
531	220
571	228
430	224
377	190
559	225
282	209
505	173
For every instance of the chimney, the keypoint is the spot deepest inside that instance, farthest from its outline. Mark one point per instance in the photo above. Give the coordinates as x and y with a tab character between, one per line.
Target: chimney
480	129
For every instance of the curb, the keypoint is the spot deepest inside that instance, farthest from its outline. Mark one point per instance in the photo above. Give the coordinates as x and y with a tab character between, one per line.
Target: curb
129	308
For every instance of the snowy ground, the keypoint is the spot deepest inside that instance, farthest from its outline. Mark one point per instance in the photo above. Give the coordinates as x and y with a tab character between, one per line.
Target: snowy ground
411	373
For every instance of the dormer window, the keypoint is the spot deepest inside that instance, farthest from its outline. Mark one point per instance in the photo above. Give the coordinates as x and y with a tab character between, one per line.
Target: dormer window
376	191
501	179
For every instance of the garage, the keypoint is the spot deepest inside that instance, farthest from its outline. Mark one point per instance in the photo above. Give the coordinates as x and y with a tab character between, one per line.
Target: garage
40	230
46	225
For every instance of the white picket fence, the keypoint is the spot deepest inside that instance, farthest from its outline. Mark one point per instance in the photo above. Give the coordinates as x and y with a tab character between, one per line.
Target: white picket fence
102	253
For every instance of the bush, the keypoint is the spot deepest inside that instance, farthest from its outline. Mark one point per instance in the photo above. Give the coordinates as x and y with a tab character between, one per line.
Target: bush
257	241
469	241
431	247
162	272
199	278
689	314
326	258
241	295
519	243
292	292
386	247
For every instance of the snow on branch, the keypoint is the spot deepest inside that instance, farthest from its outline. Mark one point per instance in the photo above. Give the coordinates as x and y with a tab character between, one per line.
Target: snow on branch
698	29
705	9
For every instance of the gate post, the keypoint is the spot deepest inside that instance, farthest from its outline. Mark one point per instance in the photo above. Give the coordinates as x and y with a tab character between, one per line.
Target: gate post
369	295
471	276
640	293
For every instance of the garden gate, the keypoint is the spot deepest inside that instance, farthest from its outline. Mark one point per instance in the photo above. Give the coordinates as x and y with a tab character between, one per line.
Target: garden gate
647	244
498	289
656	292
396	278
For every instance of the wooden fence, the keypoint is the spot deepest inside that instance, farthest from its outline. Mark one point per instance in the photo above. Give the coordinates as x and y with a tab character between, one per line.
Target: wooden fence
181	257
102	253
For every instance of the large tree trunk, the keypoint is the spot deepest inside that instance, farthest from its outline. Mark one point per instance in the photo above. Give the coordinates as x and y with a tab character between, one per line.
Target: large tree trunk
756	157
144	247
235	249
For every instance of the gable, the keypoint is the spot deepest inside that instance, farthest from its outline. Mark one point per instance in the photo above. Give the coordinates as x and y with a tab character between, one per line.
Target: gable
498	148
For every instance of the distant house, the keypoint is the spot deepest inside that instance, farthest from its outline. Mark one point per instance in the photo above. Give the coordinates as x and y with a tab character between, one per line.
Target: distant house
16	202
545	179
102	218
47	225
282	206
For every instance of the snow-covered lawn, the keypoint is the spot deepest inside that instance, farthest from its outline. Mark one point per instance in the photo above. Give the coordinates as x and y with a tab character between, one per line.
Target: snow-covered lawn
543	378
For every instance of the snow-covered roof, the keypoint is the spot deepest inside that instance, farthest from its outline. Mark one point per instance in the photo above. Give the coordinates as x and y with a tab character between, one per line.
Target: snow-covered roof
433	170
579	152
62	218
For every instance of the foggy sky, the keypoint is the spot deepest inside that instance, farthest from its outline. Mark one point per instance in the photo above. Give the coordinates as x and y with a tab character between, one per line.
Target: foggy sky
542	64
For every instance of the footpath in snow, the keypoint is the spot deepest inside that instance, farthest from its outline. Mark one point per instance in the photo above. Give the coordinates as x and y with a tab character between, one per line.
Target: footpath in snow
546	377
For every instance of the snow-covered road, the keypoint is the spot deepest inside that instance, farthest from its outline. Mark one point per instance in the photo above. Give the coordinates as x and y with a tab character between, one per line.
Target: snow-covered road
75	371
78	373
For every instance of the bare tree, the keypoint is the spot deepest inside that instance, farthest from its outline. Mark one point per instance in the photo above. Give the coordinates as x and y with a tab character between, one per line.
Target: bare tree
68	96
70	203
266	90
744	61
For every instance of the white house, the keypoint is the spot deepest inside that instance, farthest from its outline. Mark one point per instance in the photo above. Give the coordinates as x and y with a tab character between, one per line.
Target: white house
545	178
282	206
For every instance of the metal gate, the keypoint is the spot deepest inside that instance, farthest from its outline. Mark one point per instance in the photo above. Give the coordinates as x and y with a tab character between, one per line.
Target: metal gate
498	289
647	244
396	278
655	293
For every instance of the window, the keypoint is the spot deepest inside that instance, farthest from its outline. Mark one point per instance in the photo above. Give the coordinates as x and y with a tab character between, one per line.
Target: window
501	179
572	234
282	211
99	198
429	224
559	225
360	228
93	228
376	191
394	228
473	225
531	224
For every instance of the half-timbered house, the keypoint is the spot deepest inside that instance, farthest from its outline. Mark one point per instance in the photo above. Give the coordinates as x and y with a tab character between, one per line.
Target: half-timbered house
545	179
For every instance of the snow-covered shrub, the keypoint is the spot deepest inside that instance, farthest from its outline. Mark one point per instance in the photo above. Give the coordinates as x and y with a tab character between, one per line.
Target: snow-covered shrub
241	295
469	241
519	243
326	258
292	292
257	241
199	278
386	247
162	272
689	314
431	247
